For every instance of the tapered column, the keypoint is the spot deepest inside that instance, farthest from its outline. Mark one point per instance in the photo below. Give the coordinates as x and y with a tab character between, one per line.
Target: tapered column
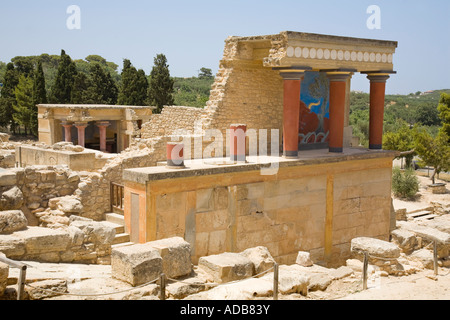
338	88
237	142
377	97
81	126
292	80
102	125
67	130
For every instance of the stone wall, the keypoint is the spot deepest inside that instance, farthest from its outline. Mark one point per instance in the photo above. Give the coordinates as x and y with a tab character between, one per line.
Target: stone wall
317	207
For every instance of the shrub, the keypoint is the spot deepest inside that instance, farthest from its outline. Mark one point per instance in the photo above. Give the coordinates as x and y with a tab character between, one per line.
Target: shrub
405	184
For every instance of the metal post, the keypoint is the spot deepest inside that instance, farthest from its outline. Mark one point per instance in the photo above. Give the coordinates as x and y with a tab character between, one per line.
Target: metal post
365	267
435	258
162	285
275	281
21	284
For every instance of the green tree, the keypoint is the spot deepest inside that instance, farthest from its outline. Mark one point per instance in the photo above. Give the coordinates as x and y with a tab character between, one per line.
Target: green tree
134	86
62	88
161	84
24	107
205	73
39	96
80	87
8	97
401	140
101	88
434	152
444	113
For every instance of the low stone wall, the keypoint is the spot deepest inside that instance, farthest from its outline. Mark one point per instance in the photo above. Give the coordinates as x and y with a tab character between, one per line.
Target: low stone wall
82	241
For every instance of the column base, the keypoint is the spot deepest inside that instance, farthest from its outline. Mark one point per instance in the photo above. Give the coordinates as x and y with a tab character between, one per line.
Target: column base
336	150
290	154
238	158
376	147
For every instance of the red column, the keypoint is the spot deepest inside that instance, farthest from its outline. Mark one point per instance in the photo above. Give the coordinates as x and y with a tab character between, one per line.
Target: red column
338	88
377	97
67	131
291	111
237	142
175	156
102	125
81	126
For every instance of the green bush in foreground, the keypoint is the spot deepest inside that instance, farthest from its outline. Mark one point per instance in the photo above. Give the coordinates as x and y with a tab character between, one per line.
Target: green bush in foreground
405	184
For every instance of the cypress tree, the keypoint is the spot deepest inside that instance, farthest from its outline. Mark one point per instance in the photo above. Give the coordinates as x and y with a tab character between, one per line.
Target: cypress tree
102	89
39	95
80	87
24	103
134	86
8	97
161	84
62	89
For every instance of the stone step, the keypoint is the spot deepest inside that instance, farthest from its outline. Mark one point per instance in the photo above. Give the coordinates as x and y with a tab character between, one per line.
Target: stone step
121	238
115	218
419	214
118	227
427	217
123	244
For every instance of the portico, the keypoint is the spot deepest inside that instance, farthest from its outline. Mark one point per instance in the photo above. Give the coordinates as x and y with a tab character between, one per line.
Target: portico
101	127
339	58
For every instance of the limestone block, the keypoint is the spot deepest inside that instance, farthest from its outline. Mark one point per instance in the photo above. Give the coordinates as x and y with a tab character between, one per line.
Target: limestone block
304	259
7	178
375	247
98	233
12	246
176	255
226	267
136	264
12	220
4	272
11	199
260	257
405	239
70	204
43	240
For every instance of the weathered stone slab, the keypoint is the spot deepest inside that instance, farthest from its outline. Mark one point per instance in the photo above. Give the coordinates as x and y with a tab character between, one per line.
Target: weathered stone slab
12	246
375	247
428	233
7	178
12	220
261	258
226	267
57	286
136	264
405	239
69	205
43	240
176	255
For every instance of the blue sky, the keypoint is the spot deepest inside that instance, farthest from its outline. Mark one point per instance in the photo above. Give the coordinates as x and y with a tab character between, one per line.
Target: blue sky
191	33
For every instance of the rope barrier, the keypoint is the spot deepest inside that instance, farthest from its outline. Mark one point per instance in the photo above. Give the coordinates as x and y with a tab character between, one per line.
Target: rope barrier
143	285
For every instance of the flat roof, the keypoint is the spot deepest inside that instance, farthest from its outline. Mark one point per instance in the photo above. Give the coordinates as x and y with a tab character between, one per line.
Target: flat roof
93	106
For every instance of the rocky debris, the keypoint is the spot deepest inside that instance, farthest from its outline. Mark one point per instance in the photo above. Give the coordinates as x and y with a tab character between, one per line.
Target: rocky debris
51	288
12	220
406	240
4	137
8	178
11	199
226	267
67	146
260	257
136	264
176	255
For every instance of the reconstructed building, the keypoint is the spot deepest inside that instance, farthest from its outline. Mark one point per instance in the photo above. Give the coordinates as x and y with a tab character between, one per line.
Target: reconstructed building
323	193
101	127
